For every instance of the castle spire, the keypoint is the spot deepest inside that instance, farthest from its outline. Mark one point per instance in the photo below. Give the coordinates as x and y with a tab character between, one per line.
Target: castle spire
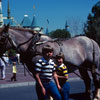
8	11
34	21
1	14
66	26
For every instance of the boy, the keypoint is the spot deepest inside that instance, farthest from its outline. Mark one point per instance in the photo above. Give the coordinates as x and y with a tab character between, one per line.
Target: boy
62	74
44	71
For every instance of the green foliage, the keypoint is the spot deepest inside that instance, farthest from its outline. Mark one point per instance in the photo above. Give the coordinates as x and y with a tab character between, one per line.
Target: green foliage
60	33
11	52
92	27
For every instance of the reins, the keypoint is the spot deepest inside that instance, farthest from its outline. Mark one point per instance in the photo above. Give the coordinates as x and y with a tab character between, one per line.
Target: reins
24	43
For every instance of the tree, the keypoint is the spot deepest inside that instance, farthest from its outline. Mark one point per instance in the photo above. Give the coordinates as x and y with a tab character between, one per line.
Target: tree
92	27
76	26
60	33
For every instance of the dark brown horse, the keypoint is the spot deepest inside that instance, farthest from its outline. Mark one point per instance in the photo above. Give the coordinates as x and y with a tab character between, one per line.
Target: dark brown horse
80	52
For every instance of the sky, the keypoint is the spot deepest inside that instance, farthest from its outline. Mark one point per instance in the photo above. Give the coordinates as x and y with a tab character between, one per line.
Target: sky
56	11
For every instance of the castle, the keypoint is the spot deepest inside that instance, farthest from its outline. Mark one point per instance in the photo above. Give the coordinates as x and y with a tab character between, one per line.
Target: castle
25	23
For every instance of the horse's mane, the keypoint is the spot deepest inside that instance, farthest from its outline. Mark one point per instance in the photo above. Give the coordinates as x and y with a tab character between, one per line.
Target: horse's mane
22	29
32	32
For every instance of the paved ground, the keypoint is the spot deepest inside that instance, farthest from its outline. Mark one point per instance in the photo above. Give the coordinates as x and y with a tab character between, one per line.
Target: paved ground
76	92
23	80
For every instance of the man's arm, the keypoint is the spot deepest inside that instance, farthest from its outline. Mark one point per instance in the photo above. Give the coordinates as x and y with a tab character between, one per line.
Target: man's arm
40	83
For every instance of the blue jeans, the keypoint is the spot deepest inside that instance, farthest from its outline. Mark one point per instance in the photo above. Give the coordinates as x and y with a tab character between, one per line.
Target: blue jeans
51	89
65	91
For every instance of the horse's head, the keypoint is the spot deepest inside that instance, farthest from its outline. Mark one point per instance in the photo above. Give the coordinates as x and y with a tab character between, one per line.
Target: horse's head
4	39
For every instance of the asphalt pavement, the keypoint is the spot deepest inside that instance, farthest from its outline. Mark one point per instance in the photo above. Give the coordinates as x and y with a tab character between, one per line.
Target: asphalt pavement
29	92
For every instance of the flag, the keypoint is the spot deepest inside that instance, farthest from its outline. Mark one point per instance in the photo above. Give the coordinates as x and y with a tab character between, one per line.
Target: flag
33	6
47	21
47	31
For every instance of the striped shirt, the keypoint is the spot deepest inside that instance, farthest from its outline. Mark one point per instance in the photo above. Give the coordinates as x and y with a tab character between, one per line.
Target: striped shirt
45	69
62	71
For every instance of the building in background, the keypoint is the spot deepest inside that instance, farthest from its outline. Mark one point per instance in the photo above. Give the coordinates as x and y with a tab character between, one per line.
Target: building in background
25	23
7	20
66	26
34	24
1	15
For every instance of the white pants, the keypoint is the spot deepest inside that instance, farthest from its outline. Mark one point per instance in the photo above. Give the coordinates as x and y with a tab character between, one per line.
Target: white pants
3	72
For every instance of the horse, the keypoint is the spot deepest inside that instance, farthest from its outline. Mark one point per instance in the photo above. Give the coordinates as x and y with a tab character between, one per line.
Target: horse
79	52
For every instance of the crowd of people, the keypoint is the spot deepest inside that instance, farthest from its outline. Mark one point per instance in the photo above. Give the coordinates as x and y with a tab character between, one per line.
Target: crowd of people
5	61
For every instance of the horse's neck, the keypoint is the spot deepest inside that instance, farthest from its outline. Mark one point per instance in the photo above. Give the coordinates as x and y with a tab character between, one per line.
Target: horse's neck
20	37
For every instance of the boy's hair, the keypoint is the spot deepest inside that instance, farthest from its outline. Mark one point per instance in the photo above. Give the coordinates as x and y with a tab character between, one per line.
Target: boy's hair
47	48
60	55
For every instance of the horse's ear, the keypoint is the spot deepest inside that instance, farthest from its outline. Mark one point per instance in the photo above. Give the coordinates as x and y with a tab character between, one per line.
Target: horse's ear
6	28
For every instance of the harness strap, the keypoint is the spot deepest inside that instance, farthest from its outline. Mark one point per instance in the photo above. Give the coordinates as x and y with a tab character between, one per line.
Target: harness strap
34	40
24	42
12	42
53	40
25	68
60	45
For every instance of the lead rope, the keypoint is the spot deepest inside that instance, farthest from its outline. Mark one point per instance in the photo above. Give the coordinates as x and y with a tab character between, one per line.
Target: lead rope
25	68
60	45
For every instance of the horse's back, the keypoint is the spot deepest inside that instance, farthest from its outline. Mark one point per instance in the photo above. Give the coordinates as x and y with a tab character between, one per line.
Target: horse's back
90	47
80	49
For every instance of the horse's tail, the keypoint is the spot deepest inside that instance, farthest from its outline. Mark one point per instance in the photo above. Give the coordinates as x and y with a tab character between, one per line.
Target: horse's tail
94	52
99	61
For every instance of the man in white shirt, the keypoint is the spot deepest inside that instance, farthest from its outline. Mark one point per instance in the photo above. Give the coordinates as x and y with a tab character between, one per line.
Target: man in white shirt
3	67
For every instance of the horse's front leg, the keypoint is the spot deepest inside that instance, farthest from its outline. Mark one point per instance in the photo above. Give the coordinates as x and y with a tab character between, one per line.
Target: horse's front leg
85	76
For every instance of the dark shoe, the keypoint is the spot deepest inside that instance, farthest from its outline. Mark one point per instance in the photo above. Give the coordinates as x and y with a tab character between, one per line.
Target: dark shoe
11	79
3	78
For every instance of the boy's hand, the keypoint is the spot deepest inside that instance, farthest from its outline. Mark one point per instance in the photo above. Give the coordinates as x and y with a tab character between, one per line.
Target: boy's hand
43	91
59	87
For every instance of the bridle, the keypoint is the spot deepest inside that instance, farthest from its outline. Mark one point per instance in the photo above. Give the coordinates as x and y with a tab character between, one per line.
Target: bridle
5	38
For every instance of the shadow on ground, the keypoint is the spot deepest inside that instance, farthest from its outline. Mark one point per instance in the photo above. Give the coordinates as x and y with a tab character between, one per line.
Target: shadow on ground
78	96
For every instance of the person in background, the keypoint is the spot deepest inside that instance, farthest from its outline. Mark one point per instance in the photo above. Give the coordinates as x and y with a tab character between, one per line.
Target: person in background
3	64
18	58
44	71
62	74
14	71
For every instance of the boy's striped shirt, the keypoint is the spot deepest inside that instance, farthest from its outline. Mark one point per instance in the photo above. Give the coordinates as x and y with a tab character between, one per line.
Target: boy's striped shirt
62	70
45	69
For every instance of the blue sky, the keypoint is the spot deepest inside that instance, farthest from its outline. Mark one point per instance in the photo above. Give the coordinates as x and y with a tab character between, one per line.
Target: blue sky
56	11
